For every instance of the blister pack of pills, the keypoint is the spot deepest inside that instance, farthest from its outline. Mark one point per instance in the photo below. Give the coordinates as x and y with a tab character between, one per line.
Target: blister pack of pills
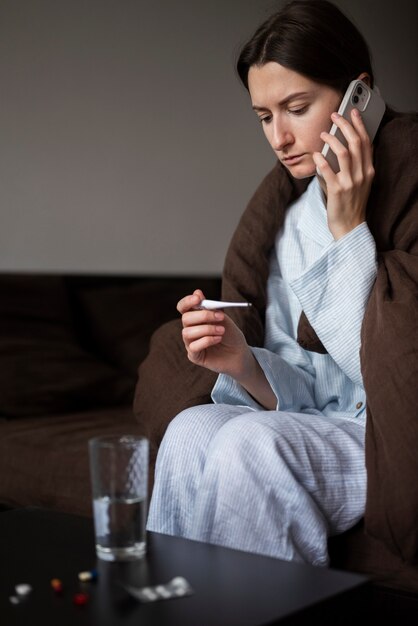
178	587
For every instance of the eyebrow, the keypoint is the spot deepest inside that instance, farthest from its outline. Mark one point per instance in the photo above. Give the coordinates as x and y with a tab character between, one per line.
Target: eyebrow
288	98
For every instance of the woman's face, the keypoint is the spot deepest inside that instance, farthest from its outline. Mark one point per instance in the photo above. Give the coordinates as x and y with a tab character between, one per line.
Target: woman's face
293	111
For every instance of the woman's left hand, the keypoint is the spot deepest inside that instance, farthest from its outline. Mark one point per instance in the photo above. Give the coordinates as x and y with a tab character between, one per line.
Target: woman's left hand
349	189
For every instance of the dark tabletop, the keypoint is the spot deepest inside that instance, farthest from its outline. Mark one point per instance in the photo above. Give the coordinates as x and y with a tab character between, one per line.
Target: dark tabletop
231	588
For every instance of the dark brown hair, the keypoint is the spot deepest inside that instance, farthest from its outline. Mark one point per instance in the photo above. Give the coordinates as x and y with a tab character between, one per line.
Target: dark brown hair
313	38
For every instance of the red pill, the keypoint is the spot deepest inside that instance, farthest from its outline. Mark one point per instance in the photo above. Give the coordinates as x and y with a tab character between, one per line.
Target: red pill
80	599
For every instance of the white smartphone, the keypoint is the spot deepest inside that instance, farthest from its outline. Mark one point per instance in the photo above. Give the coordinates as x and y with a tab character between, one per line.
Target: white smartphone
371	106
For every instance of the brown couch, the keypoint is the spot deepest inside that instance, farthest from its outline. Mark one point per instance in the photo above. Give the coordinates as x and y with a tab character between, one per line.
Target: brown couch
69	351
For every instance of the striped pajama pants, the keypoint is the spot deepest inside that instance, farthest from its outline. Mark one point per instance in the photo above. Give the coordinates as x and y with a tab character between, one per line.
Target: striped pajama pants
267	482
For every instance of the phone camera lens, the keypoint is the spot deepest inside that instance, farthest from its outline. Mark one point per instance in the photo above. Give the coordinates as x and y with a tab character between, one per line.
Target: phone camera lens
355	99
359	90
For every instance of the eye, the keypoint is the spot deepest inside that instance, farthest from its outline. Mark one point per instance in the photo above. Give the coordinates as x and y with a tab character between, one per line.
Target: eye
266	119
298	111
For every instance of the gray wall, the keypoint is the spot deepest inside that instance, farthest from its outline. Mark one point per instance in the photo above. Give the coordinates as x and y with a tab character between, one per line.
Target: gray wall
127	143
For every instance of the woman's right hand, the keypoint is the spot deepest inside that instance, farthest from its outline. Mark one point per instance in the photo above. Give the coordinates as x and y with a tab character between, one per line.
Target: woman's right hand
212	339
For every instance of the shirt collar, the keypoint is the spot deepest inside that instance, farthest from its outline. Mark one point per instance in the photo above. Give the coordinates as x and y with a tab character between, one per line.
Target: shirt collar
313	217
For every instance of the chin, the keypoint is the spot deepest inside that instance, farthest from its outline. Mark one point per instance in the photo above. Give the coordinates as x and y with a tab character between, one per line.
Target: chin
302	172
305	168
302	176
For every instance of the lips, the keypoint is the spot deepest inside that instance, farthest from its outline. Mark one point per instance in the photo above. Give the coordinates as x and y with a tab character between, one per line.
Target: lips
293	158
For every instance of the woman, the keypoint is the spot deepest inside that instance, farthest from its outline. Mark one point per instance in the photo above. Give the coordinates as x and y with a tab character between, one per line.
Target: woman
277	463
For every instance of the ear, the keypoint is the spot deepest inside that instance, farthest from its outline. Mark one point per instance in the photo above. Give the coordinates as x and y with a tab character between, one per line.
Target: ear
365	77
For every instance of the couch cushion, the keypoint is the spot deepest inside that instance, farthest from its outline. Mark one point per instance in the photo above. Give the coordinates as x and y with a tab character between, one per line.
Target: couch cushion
357	551
120	316
44	460
43	367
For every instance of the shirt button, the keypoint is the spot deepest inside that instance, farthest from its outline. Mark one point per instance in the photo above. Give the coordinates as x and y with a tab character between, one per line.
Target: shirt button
359	405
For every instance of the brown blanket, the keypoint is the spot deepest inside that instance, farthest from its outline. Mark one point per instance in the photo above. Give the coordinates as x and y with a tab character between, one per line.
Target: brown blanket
168	382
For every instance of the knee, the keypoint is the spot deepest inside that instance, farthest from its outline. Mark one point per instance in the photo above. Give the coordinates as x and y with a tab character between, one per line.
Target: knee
182	427
255	435
177	448
238	440
193	428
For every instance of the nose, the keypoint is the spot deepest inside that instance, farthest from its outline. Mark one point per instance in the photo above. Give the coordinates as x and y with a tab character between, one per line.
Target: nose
281	136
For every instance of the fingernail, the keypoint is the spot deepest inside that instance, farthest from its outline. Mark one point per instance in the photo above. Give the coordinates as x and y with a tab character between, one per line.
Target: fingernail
335	116
356	112
219	315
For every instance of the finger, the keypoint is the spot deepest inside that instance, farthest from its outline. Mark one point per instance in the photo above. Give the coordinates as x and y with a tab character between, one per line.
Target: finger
367	147
351	147
193	333
341	151
324	168
347	128
196	347
353	158
189	302
201	316
359	126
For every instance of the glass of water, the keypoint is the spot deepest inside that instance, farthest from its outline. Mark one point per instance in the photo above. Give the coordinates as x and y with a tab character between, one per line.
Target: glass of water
119	478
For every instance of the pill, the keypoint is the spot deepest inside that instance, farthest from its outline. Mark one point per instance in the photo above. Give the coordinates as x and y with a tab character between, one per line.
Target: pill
162	591
23	589
14	599
56	585
88	575
80	599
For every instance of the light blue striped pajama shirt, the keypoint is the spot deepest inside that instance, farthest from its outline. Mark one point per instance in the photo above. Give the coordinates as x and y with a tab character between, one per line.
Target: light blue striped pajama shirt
280	482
